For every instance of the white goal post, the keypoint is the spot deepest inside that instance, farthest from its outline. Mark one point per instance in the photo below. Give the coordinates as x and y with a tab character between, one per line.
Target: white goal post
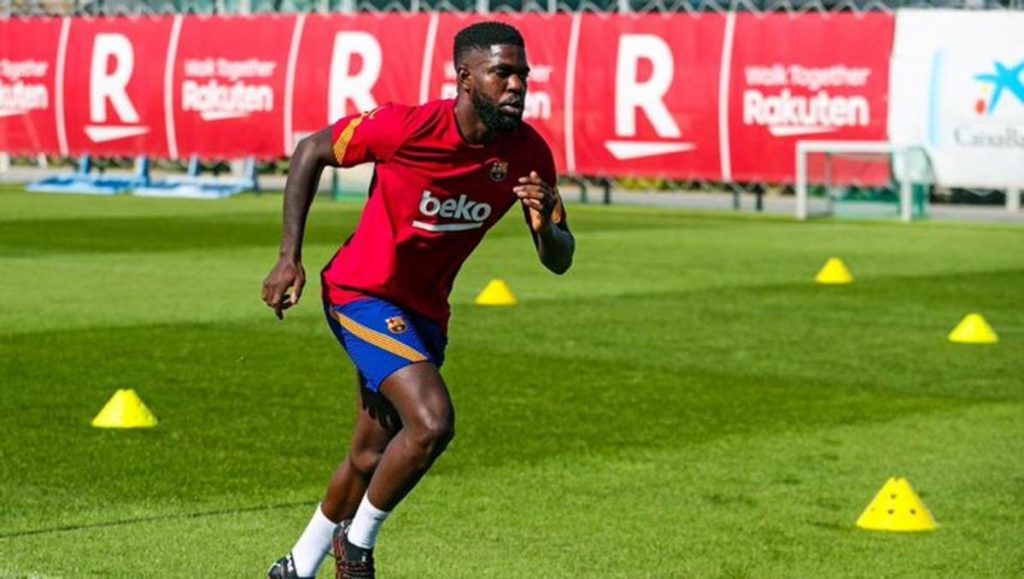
910	164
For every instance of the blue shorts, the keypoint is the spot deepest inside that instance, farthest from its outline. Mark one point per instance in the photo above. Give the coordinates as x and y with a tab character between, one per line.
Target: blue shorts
382	338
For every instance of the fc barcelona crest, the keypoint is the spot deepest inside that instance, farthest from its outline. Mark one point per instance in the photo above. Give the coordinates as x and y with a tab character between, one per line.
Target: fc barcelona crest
499	170
397	325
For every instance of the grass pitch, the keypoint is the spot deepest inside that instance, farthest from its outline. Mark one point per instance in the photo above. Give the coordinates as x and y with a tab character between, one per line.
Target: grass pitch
684	403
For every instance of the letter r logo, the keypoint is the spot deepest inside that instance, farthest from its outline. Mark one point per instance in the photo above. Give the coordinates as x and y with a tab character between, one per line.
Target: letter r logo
348	85
112	86
632	95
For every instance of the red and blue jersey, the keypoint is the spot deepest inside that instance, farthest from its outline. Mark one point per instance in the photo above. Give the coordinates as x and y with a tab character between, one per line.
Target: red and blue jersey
432	199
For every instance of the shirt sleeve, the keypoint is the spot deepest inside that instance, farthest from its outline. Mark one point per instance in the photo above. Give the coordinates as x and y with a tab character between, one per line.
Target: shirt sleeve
370	137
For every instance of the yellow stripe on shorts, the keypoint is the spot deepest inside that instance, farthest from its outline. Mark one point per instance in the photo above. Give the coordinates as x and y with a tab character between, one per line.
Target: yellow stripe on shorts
382	341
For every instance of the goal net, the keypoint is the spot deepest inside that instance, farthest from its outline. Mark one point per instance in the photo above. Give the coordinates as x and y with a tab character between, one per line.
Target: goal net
862	179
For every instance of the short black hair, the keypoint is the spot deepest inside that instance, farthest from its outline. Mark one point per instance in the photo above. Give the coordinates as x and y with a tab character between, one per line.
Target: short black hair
484	35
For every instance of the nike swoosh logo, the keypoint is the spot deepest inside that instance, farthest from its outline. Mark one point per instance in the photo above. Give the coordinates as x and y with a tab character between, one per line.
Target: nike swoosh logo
102	134
627	150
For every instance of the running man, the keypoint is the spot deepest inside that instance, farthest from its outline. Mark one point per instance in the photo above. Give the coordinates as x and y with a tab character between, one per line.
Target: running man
445	173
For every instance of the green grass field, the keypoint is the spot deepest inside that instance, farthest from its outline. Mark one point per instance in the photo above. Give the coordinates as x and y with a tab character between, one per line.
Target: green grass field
685	402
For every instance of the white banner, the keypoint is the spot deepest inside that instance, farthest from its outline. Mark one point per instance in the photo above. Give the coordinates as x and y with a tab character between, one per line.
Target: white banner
957	88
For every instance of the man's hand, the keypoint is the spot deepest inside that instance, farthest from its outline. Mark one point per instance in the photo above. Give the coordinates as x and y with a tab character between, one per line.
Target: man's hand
311	155
286	275
542	201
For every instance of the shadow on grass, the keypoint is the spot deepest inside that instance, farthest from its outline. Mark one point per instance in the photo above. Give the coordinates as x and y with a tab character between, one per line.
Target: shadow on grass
135	520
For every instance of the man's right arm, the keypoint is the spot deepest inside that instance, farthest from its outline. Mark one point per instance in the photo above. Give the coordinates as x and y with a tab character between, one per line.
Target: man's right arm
370	137
311	156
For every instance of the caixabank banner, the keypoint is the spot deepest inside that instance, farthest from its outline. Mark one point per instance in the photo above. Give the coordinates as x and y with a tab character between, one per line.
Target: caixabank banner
958	89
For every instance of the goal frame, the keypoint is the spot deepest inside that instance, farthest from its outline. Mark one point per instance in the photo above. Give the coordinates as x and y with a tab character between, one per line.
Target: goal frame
900	155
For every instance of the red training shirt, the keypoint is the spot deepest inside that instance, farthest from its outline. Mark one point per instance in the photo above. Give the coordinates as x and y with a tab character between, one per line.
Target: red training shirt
432	199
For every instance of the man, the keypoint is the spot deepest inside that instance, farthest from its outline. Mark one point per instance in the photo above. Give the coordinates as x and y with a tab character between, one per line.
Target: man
445	173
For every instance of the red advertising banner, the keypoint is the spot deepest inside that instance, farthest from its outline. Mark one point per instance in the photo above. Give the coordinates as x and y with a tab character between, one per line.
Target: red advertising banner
817	76
547	42
637	95
228	86
27	85
646	96
349	64
114	86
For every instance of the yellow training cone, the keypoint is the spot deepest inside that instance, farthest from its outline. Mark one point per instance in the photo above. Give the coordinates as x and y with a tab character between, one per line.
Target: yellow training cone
896	508
497	293
124	410
973	329
834	272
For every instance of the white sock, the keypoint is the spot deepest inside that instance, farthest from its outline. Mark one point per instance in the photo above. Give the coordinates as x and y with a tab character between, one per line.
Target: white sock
366	524
313	545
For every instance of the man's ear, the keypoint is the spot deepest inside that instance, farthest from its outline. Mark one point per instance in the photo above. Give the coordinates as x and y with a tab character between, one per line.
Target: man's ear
464	77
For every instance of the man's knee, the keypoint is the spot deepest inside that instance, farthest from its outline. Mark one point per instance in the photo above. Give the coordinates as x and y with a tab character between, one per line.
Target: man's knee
364	461
432	433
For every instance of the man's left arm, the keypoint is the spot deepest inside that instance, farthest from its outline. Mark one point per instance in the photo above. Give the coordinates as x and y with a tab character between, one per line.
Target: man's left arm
542	207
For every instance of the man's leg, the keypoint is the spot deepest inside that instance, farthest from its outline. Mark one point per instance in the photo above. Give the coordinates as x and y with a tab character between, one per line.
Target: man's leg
375	426
421	400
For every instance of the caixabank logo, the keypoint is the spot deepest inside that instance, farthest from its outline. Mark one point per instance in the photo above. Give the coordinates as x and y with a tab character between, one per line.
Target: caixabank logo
998	109
1004	79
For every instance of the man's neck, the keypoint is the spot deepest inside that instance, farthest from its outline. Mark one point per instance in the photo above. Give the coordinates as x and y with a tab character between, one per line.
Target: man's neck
471	127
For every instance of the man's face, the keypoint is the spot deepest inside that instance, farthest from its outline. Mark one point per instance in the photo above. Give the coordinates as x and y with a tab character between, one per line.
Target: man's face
498	85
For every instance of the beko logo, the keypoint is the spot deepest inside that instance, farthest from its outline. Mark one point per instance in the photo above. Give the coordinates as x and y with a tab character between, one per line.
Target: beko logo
467	214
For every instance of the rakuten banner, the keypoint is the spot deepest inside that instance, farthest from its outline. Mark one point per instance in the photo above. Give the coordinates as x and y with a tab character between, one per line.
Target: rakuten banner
114	86
228	86
349	64
547	41
709	96
818	76
27	84
645	97
958	89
